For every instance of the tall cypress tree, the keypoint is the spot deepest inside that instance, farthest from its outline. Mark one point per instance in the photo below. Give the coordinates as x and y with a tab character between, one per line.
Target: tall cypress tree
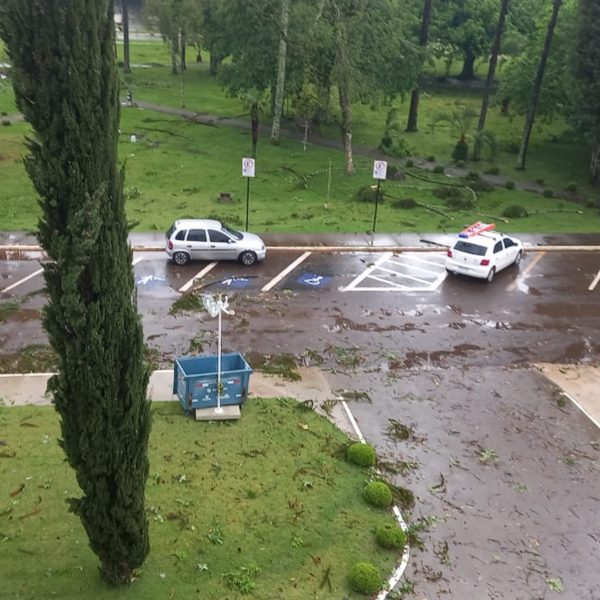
65	81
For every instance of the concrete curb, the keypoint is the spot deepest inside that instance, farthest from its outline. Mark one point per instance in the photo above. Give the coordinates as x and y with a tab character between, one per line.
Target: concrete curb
347	248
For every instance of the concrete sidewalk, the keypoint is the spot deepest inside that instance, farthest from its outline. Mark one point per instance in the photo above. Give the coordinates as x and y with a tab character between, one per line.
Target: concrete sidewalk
30	388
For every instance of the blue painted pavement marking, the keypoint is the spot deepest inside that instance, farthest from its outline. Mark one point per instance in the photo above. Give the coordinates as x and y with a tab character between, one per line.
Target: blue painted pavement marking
313	280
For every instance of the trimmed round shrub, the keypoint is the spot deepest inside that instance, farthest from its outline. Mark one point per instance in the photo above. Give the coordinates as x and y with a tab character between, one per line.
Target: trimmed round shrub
438	169
409	163
444	192
365	578
548	193
539	181
390	536
6	122
571	187
460	203
515	212
509	185
431	158
461	163
493	171
394	172
378	493
362	455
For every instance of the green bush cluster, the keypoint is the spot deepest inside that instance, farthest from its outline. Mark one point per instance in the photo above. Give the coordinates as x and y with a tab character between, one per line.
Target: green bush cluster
390	536
409	163
378	493
548	193
571	187
460	203
515	211
493	171
395	173
362	455
509	185
407	203
368	193
438	169
365	578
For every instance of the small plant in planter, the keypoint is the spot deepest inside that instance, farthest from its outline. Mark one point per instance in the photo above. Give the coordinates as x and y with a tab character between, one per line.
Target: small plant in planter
362	455
390	536
378	493
365	578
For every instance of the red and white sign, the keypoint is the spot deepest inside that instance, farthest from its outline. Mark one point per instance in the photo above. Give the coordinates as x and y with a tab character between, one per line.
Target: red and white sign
379	169
248	167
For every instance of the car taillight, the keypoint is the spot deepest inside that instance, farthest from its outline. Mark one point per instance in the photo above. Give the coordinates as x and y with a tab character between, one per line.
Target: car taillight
449	253
170	245
485	262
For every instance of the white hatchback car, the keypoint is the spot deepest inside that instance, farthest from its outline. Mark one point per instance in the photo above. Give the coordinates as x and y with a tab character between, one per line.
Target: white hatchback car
208	239
484	254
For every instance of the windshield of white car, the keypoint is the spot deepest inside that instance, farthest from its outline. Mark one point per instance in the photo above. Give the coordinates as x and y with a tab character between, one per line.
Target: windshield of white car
236	234
470	248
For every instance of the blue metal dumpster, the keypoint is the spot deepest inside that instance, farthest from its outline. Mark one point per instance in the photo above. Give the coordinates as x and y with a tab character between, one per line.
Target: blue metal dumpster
195	381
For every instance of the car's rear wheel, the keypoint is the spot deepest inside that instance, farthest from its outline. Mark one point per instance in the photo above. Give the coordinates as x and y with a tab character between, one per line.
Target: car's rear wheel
490	275
247	258
518	258
181	258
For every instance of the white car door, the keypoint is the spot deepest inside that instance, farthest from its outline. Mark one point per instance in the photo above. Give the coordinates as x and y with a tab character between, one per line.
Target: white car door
511	250
498	256
221	246
197	244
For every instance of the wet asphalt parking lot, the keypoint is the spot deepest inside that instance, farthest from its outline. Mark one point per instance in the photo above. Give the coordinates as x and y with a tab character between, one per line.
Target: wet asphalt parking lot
505	472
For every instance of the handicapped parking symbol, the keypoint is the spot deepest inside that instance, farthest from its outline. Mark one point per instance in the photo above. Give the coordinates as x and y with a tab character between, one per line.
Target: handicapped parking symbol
313	280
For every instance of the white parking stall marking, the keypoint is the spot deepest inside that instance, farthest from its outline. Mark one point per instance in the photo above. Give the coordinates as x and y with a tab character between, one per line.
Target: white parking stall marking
398	274
18	283
271	284
352	285
137	260
428	273
188	284
595	282
523	275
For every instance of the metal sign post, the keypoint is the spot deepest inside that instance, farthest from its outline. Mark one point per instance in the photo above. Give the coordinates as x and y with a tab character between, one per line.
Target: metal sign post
379	173
248	171
215	308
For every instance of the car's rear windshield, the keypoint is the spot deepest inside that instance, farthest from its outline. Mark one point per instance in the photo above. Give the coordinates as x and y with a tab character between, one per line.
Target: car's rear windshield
470	248
236	234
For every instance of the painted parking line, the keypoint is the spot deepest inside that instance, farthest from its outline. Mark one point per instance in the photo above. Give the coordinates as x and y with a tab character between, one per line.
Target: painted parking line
353	284
18	283
519	281
271	284
595	282
137	260
188	284
408	268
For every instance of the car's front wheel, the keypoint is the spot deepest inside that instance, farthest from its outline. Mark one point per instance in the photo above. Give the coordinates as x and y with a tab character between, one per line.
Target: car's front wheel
518	258
490	275
247	258
181	258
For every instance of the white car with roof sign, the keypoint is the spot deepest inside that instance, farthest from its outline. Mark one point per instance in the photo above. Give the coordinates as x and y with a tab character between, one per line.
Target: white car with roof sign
480	252
209	239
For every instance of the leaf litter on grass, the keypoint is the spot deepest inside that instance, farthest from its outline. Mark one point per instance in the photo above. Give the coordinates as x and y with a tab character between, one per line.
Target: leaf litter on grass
284	499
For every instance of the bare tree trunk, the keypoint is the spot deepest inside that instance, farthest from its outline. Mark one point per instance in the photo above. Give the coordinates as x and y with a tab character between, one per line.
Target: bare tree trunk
281	62
468	70
346	126
254	120
215	61
125	15
182	51
537	86
595	162
174	59
490	76
411	126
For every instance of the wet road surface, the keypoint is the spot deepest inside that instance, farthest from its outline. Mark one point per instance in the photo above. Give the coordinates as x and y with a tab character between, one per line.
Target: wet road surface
506	473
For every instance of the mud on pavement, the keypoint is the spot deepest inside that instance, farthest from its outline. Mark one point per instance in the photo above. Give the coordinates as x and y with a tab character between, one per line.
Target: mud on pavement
505	474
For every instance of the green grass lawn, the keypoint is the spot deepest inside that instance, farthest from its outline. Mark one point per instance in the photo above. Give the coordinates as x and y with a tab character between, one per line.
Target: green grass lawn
176	168
269	493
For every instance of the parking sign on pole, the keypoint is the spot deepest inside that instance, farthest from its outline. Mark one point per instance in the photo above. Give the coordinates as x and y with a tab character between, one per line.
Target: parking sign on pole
248	171
379	173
